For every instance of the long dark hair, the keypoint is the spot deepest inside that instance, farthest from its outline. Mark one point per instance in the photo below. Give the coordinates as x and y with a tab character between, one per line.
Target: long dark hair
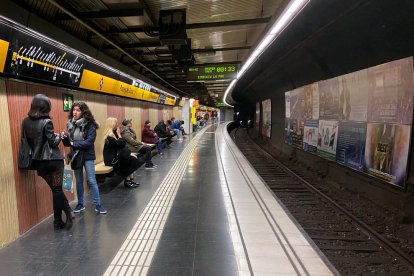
86	112
40	107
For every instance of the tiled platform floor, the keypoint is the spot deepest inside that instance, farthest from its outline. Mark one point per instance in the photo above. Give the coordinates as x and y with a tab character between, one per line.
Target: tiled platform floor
203	211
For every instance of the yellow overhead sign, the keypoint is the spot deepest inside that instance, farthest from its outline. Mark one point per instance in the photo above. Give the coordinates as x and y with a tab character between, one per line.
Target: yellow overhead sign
101	83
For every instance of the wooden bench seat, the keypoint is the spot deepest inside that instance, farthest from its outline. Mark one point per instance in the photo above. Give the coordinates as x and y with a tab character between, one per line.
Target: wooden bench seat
100	168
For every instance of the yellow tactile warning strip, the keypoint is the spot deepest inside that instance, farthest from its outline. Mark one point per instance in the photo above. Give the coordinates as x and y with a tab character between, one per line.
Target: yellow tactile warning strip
136	253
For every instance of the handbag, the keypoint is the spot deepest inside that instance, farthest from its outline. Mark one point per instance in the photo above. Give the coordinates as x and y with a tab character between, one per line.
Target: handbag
76	162
25	154
67	184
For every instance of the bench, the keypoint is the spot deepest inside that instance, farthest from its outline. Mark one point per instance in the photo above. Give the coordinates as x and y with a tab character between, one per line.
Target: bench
100	168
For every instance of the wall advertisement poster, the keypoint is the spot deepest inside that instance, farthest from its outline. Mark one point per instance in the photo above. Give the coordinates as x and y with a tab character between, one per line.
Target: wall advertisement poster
310	138
361	120
327	139
267	118
386	151
351	145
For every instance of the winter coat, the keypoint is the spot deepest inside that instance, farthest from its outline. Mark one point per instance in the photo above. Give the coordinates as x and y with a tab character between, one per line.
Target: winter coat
131	139
148	135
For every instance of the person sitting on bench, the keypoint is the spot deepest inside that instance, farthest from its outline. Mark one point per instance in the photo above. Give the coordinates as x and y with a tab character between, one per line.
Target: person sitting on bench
161	131
117	155
135	146
149	136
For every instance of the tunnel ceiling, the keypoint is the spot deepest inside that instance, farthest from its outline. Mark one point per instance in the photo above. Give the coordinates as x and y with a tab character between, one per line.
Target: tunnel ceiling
328	39
217	32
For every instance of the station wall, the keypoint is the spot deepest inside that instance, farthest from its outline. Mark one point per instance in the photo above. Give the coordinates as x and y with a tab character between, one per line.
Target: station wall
25	199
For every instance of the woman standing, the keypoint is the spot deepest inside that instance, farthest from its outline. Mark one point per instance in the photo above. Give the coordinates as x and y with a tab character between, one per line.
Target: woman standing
80	136
117	155
46	156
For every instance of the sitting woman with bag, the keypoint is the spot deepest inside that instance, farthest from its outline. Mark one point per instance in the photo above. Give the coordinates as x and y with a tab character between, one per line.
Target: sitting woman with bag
117	155
47	159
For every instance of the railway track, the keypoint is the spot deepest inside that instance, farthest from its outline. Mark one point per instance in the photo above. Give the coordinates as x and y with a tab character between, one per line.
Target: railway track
351	245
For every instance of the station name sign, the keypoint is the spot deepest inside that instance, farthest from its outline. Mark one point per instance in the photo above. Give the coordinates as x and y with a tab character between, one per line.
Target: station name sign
203	73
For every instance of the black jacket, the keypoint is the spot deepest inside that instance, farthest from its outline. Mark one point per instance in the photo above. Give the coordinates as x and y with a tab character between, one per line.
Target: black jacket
111	150
161	131
42	139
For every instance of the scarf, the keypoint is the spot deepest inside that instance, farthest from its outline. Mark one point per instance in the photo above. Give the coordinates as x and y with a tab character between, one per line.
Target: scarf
76	129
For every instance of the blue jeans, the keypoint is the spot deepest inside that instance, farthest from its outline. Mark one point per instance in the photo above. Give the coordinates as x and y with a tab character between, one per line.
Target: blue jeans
90	173
159	146
178	132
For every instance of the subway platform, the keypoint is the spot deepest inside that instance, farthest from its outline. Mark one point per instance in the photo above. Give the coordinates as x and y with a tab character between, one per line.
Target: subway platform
202	211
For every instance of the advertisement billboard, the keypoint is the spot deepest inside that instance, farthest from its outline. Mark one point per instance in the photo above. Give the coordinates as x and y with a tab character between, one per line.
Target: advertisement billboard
386	151
327	139
310	137
350	150
267	118
390	92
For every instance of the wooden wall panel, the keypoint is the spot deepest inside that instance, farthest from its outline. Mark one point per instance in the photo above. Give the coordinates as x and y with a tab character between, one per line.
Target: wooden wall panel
9	226
177	112
167	113
116	108
144	114
160	114
133	111
19	105
153	116
98	105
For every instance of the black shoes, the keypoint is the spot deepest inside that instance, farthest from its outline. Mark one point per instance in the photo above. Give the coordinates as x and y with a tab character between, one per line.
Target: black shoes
130	184
58	224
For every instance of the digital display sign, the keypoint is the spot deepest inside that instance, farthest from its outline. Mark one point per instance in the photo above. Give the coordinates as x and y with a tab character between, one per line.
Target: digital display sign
25	53
203	73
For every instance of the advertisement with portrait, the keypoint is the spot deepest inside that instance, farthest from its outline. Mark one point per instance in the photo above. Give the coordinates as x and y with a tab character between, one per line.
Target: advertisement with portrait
267	118
287	104
288	131
257	121
311	101
390	92
297	103
350	150
297	132
327	139
386	151
353	97
329	99
310	136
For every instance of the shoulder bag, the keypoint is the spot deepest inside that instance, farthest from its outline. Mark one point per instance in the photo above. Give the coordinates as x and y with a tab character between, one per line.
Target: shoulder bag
25	154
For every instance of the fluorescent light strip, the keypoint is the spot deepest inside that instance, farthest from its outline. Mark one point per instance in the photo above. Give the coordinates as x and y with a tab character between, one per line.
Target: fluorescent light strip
293	9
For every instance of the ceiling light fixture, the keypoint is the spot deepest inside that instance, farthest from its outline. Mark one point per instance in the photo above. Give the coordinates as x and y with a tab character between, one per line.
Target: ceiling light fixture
290	12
